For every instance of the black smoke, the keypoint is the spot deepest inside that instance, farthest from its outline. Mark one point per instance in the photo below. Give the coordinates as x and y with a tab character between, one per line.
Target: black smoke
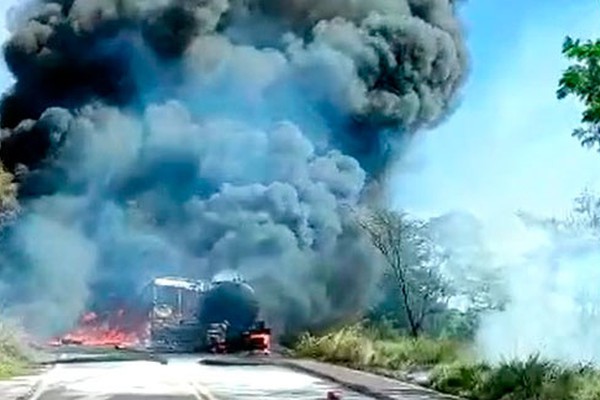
193	136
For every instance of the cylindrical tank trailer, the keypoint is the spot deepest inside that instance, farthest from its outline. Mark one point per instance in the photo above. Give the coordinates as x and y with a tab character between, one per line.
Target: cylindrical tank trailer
231	302
226	314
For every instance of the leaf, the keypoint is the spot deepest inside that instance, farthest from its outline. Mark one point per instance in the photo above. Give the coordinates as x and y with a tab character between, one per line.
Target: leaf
582	80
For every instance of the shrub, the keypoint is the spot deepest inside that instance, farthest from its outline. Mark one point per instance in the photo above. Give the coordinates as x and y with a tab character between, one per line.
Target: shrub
14	354
360	347
459	378
349	346
452	371
419	352
531	379
588	386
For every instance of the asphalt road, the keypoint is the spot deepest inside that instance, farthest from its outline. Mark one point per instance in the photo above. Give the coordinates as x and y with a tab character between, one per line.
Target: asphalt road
182	378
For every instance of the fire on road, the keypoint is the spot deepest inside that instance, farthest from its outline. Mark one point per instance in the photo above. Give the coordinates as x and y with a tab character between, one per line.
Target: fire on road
181	378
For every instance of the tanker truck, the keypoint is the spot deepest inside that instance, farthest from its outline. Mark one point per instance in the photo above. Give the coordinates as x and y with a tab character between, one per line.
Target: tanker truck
196	316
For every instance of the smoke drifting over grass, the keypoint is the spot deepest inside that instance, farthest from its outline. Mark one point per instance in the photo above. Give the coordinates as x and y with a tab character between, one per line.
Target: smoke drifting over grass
194	136
494	170
554	304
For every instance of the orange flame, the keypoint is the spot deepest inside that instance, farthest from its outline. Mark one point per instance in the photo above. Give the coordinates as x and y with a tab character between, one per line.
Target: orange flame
261	341
116	329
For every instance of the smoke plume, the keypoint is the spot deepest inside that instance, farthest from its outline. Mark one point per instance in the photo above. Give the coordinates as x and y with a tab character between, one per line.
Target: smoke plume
195	136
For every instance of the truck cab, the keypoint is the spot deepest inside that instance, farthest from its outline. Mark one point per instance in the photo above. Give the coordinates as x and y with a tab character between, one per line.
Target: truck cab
174	314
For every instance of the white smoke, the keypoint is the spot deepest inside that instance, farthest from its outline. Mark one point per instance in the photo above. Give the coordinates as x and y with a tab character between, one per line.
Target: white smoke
509	149
554	306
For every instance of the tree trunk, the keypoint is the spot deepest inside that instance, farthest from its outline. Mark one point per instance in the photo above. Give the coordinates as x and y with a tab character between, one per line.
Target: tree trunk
414	331
414	326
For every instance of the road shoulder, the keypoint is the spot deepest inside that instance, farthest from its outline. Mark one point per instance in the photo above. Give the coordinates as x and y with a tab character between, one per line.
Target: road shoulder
23	387
376	386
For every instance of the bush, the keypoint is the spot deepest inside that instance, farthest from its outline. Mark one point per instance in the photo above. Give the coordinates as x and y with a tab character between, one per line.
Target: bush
360	347
350	346
532	379
8	196
588	386
14	354
420	352
452	371
529	379
459	378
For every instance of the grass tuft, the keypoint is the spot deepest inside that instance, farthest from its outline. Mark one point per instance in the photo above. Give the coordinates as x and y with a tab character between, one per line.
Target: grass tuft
349	346
359	347
530	379
451	369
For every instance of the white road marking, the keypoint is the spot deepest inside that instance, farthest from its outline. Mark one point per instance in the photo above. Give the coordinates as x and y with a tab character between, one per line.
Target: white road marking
44	383
201	392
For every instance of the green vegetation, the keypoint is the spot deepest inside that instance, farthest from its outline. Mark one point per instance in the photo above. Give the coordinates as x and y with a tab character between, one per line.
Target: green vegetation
582	80
364	348
425	268
531	379
8	195
8	189
15	357
451	368
415	333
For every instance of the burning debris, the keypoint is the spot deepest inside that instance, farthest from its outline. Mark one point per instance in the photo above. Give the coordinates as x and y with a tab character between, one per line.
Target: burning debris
194	136
112	331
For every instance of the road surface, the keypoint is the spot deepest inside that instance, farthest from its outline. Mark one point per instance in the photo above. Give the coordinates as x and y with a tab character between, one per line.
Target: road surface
182	378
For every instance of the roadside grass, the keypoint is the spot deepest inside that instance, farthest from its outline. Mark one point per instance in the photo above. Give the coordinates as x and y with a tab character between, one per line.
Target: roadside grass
362	348
451	367
530	379
15	357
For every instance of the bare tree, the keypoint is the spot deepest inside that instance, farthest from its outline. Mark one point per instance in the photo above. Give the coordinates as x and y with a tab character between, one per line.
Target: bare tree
413	263
585	216
471	268
586	211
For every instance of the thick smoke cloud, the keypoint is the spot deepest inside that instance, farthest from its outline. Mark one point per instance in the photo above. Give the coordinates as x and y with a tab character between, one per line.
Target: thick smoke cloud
194	136
381	64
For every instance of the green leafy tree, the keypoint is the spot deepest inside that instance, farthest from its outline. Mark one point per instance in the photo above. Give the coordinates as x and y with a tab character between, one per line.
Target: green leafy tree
582	80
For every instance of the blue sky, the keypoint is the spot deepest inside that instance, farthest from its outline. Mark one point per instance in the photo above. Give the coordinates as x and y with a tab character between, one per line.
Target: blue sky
508	147
5	5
